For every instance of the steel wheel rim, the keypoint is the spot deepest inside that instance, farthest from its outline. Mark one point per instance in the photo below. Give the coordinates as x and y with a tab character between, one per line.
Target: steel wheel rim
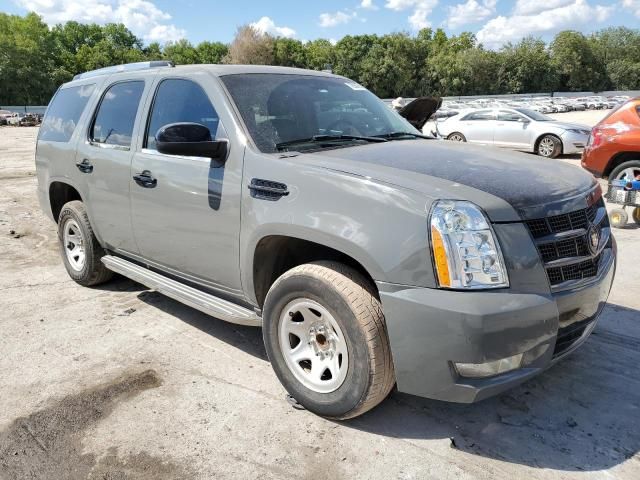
546	146
313	345
73	243
628	174
456	138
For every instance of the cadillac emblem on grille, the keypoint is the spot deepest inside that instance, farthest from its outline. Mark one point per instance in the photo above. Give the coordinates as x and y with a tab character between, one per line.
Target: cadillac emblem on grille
594	238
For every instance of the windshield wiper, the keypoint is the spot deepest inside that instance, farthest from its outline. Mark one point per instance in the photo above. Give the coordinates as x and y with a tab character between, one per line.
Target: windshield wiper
402	134
328	138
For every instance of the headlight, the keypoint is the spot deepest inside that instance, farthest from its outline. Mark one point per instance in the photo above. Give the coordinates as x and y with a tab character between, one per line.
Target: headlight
578	131
465	251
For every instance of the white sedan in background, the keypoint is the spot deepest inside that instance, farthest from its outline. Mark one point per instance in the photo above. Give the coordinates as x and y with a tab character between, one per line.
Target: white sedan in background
516	128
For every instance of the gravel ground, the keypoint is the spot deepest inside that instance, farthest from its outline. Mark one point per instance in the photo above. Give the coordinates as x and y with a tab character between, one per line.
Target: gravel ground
118	382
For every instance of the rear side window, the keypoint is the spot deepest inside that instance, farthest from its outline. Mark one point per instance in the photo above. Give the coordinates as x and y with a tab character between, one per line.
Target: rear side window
178	100
113	124
63	113
481	115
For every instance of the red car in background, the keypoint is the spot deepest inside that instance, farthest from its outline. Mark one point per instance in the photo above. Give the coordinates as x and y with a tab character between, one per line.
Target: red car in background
613	149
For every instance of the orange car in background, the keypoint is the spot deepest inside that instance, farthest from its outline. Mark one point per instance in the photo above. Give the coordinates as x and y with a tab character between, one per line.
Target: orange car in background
613	149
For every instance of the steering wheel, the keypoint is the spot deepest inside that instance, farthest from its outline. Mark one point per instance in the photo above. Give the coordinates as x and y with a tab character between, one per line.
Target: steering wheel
345	126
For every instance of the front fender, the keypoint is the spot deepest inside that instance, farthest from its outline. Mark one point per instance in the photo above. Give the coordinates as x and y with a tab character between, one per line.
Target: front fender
383	227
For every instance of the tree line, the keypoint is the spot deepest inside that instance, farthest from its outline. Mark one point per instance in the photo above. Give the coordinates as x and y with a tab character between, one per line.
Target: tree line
35	60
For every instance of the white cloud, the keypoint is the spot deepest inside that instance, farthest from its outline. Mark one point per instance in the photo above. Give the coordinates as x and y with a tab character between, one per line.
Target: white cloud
368	5
142	17
501	29
266	25
333	19
530	7
632	5
421	10
470	12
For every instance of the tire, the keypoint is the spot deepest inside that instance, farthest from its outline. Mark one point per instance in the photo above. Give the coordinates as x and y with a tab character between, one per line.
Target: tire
618	218
456	137
636	215
81	259
626	169
353	319
549	146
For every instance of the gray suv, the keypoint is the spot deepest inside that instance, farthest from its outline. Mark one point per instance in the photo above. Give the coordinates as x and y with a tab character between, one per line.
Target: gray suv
295	200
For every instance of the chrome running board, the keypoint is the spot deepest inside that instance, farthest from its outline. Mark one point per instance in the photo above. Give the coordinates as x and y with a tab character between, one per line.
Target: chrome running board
205	302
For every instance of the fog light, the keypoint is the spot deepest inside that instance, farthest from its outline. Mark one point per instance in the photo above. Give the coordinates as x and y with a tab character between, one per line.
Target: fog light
489	369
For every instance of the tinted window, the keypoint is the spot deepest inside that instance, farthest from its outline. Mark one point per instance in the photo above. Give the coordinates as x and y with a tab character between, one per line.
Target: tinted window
117	114
180	101
64	112
280	108
482	115
509	116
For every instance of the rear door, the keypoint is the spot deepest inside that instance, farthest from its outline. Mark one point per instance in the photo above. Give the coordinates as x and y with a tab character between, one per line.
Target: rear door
187	219
512	130
478	126
104	159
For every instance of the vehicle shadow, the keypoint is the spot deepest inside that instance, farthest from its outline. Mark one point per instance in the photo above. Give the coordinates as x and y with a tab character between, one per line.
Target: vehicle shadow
247	339
582	414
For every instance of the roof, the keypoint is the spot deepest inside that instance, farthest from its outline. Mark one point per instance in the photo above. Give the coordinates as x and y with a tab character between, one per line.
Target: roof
215	69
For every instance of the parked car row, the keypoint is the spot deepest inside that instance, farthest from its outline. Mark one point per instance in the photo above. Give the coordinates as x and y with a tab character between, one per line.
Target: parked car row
20	119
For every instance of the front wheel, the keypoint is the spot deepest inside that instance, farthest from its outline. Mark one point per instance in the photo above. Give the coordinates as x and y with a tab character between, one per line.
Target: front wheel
457	137
326	338
549	146
628	171
618	218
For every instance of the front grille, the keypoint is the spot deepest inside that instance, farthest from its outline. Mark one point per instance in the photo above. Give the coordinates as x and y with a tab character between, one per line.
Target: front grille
569	335
541	227
553	246
574	271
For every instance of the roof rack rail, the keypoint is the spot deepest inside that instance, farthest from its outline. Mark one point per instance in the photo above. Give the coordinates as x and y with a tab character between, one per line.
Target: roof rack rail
127	67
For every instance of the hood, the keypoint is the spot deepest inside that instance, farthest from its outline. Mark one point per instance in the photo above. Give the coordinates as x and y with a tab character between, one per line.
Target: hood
522	180
420	110
567	125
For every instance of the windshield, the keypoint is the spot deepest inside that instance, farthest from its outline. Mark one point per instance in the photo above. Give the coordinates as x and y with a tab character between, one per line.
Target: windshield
280	110
533	115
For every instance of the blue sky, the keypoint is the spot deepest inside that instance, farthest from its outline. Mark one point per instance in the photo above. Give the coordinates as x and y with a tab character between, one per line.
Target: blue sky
494	21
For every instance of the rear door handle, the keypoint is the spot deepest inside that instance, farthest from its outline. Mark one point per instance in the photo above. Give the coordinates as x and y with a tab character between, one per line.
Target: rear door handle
85	166
145	179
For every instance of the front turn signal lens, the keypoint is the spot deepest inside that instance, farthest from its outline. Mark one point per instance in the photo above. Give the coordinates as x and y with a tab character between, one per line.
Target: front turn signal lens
440	258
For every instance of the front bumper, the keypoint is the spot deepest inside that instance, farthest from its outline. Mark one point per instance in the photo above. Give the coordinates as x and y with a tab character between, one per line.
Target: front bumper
573	143
430	330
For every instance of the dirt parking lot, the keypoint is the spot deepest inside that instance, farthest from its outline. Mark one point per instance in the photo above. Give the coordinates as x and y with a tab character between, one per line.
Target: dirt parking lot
117	382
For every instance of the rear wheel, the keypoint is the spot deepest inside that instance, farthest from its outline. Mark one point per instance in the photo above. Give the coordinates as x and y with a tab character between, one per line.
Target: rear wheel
628	171
618	218
549	146
636	215
456	137
81	252
326	338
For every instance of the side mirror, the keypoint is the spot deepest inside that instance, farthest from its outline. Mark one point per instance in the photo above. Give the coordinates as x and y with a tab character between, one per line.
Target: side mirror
523	120
190	140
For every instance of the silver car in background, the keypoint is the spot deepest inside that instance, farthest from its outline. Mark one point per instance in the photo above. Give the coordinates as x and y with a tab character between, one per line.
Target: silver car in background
516	128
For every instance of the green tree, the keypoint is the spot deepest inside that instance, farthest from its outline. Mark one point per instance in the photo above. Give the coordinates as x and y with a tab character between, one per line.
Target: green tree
181	52
526	67
579	68
319	54
288	52
387	68
211	52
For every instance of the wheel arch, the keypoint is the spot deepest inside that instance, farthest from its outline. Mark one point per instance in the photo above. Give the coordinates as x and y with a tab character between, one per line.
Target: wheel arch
618	159
275	254
60	193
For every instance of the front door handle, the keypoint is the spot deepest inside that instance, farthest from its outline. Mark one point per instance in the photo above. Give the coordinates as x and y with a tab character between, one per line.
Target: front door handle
144	179
85	166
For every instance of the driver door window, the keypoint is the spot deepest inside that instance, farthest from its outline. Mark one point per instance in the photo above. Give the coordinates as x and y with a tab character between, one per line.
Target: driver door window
504	116
179	100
